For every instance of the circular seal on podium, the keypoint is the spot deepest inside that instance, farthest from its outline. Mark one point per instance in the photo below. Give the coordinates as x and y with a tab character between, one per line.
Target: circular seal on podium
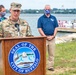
24	57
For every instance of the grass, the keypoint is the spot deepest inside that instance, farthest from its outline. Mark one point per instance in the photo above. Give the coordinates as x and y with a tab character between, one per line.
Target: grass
65	55
1	73
65	59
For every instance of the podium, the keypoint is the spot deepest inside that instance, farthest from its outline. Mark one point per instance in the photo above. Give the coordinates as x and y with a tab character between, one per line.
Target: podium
24	56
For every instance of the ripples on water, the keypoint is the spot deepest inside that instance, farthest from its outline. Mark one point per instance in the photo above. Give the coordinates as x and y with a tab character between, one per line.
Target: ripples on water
32	20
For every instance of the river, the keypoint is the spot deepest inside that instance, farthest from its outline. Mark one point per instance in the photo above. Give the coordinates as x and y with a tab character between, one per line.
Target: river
32	20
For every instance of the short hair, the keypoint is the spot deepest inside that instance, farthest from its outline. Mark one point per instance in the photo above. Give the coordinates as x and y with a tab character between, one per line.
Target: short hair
47	5
1	6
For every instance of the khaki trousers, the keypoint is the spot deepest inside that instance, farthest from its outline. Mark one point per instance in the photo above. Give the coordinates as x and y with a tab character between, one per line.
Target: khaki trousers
50	45
0	50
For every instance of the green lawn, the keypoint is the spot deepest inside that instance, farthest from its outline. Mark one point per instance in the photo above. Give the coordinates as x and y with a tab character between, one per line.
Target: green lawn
1	72
65	59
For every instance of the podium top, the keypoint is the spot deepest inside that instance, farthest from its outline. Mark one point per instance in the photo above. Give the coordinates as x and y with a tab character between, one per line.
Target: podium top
10	38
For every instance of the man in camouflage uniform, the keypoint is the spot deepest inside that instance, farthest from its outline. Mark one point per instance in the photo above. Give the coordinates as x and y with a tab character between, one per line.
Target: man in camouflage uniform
14	26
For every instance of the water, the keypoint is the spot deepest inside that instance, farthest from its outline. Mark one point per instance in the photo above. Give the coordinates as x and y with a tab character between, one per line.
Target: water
32	20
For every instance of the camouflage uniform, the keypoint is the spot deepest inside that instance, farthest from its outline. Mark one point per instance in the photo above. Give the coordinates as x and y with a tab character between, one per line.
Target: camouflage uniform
8	29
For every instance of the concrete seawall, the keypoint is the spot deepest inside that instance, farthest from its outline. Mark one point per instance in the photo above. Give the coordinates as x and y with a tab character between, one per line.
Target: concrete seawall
64	39
69	30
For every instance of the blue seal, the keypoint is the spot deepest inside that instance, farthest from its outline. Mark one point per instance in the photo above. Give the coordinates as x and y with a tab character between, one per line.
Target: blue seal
24	57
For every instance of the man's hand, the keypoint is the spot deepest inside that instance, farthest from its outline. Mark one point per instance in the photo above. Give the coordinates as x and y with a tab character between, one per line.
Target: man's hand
50	37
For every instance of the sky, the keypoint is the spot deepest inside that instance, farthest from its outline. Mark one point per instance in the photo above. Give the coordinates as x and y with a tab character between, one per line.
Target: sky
39	4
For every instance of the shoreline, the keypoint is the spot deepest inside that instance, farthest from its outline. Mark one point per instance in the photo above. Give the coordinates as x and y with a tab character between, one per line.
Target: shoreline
59	40
65	39
69	30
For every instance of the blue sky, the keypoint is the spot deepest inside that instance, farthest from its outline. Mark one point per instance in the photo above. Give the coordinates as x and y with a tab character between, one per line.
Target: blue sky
39	4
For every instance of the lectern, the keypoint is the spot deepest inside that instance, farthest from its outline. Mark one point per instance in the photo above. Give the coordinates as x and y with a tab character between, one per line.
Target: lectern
24	56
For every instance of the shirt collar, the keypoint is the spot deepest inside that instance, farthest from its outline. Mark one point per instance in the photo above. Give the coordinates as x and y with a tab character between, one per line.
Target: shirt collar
46	16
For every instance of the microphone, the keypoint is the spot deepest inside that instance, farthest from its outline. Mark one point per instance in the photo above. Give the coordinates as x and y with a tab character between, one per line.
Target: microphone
17	26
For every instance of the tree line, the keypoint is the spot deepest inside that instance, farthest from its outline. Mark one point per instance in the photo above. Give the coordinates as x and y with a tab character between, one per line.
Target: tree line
54	11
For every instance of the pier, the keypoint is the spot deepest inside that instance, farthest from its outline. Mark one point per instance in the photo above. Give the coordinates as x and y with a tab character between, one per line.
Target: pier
67	30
